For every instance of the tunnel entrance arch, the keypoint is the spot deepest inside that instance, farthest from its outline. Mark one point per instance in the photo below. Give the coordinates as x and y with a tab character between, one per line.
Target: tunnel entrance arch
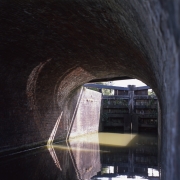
99	40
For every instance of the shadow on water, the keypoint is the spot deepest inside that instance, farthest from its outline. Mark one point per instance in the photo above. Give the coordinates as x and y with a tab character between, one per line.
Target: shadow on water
96	156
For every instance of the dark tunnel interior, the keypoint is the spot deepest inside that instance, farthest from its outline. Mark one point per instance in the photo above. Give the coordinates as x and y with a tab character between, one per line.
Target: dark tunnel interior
50	48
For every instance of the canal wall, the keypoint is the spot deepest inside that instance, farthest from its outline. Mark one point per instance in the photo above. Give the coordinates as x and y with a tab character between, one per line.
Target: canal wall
86	118
79	115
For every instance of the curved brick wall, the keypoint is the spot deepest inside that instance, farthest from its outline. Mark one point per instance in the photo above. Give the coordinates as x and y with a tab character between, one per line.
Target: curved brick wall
50	48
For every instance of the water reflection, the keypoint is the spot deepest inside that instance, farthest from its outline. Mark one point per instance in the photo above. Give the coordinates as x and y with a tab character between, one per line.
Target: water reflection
131	156
96	156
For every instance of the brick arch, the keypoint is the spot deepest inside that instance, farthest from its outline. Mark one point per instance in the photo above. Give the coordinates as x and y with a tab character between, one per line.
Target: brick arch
93	40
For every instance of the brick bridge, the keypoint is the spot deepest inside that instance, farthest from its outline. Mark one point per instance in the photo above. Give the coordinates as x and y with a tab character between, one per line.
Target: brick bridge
50	48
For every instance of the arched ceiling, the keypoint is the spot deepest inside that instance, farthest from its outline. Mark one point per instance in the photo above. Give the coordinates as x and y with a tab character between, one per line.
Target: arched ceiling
49	48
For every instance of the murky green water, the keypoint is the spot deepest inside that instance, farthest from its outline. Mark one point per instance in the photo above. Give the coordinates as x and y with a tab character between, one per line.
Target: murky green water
96	156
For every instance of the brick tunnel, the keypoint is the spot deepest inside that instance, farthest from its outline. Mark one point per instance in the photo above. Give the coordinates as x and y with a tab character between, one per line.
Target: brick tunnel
50	48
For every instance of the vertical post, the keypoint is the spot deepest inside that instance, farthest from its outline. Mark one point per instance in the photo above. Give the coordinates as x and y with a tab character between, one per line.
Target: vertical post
133	119
131	98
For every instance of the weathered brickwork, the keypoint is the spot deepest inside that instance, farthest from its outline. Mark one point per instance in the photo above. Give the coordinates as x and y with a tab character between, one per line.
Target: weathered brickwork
86	119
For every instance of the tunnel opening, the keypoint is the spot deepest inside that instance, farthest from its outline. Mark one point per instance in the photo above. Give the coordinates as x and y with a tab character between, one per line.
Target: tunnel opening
127	109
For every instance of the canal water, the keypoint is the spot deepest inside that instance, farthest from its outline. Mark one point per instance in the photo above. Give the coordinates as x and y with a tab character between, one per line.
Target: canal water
106	156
